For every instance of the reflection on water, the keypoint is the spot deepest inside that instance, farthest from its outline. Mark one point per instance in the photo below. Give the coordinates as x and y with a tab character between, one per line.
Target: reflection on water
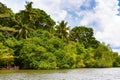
75	74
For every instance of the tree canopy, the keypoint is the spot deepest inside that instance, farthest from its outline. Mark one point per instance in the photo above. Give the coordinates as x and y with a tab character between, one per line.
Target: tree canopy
31	39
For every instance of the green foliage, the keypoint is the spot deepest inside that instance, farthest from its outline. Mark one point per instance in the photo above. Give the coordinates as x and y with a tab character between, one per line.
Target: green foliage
80	49
31	40
57	43
83	35
6	20
6	16
35	18
101	56
62	30
6	56
116	57
89	60
64	60
47	61
11	42
2	37
117	62
40	33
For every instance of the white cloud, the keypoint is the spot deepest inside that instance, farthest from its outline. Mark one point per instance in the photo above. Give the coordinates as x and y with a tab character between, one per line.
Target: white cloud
57	8
52	7
15	5
72	4
105	14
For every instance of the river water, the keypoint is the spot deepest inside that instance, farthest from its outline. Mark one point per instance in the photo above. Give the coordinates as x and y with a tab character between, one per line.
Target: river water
70	74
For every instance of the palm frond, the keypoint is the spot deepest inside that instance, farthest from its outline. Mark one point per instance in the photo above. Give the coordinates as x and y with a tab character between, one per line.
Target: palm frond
8	29
4	15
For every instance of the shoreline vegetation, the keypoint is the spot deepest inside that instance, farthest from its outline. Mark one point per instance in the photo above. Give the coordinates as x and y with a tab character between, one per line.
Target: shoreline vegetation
31	39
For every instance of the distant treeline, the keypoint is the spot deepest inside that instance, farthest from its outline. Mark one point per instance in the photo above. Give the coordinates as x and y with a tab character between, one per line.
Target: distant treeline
30	39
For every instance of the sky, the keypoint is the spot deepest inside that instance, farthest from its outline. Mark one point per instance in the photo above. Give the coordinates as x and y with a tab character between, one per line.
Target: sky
102	15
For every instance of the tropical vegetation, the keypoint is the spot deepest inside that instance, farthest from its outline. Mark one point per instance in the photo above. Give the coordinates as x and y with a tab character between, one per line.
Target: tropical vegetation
31	39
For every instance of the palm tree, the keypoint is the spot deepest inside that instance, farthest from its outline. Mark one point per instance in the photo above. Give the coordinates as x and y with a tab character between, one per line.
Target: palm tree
62	30
4	15
26	16
28	10
19	30
24	21
7	31
23	31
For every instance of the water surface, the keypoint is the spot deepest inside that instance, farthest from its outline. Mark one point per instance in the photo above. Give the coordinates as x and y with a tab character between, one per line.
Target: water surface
70	74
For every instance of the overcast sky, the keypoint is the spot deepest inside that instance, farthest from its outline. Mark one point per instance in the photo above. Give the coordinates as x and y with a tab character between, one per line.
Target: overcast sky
102	15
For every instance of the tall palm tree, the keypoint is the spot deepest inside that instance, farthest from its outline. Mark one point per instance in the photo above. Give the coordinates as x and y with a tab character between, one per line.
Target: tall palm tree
26	16
24	21
23	31
62	30
28	10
